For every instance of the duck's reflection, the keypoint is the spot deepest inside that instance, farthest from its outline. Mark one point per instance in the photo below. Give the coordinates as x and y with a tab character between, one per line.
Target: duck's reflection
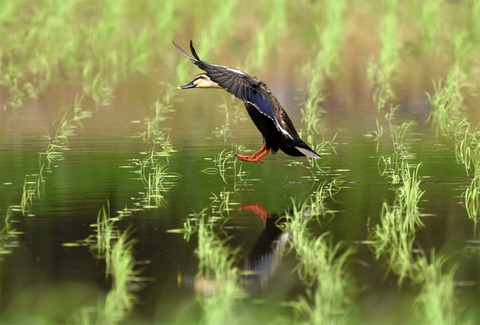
260	263
266	254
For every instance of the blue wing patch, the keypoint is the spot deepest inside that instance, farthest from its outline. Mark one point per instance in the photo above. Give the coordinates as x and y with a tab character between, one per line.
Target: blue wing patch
260	103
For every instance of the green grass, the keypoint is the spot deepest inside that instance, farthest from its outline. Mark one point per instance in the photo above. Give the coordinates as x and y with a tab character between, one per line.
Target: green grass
94	46
34	183
391	167
395	234
116	248
153	168
322	264
447	101
217	278
213	28
322	267
471	200
275	18
317	70
8	234
429	25
381	73
437	302
467	147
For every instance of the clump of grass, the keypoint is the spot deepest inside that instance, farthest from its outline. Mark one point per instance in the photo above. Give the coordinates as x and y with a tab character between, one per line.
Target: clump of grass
93	46
317	70
154	132
328	299
115	247
322	264
153	168
467	147
447	101
216	264
120	299
436	301
467	152
8	234
381	73
28	194
218	27
376	135
391	239
221	204
471	198
395	234
268	35
391	166
428	22
227	167
57	144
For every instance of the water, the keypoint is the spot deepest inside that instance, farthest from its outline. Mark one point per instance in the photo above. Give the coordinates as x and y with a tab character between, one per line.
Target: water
49	255
98	167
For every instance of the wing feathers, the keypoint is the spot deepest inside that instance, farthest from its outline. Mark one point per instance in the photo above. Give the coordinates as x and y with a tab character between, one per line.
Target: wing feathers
232	80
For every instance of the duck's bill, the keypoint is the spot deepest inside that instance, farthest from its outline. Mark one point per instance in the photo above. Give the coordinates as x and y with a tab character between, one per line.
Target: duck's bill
187	86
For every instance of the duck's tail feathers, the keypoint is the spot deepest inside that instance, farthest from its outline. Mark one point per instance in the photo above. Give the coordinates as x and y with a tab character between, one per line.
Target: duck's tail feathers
308	152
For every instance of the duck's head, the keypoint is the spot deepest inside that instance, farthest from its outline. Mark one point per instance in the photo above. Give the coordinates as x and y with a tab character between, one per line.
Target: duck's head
201	81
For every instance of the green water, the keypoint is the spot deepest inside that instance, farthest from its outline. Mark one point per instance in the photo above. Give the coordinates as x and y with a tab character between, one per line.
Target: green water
51	271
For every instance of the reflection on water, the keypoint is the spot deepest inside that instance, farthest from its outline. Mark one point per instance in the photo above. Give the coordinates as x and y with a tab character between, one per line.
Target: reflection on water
98	119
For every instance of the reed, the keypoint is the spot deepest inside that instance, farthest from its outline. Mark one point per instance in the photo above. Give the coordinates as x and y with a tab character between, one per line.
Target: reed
316	71
120	300
428	22
436	303
447	101
467	152
93	46
221	205
381	72
116	248
322	267
467	147
471	200
8	233
153	168
217	278
268	35
322	264
391	166
395	234
218	28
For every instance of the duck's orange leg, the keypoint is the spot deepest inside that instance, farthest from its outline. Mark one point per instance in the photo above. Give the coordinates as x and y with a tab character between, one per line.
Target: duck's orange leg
257	156
257	209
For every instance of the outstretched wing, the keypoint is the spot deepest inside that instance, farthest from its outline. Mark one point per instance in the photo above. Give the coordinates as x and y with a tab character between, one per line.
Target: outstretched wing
236	82
232	80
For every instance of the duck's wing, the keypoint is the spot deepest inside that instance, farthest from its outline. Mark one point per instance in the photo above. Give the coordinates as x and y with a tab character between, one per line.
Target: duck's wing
236	82
232	80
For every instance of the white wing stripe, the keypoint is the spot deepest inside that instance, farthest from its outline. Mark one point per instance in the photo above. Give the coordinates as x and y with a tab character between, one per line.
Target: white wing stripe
277	125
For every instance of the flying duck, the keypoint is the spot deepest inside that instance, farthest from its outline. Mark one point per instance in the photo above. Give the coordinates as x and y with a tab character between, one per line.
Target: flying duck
263	107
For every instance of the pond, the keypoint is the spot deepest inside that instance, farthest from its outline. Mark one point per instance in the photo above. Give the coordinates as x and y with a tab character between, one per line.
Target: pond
122	200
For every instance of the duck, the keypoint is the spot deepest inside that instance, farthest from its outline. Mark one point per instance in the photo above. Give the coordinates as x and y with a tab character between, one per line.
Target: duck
262	106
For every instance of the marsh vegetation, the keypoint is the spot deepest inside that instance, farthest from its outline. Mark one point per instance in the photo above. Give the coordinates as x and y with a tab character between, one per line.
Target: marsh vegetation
122	200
